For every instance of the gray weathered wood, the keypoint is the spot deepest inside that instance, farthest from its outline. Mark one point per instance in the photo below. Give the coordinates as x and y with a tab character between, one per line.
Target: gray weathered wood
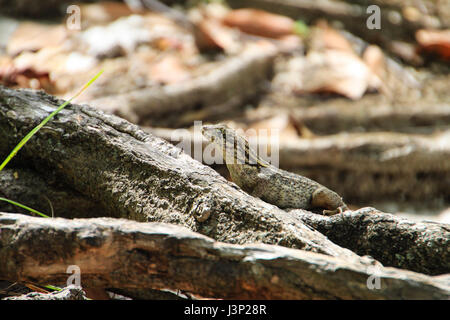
122	253
419	246
137	176
221	88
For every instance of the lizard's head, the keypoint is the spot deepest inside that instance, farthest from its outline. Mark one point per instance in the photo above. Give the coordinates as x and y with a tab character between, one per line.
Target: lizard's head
221	135
216	133
235	148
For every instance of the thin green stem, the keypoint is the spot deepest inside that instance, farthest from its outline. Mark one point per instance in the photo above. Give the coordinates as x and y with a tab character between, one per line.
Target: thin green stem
24	207
39	126
32	133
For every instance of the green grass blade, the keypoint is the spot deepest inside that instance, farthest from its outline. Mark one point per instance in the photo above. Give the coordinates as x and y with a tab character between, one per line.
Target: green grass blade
39	126
49	286
24	207
301	28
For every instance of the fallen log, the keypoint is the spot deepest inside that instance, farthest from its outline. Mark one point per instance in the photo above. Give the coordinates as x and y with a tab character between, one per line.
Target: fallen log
137	176
419	246
371	113
126	254
134	175
213	94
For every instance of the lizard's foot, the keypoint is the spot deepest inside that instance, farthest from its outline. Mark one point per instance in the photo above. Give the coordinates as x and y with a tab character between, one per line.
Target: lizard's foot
340	209
323	197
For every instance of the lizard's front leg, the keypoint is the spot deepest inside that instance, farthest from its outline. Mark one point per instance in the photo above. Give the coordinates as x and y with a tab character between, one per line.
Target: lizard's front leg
323	197
335	211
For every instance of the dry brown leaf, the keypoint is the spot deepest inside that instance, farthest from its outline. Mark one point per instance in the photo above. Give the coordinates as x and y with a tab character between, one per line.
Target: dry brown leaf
435	41
214	35
166	43
58	64
339	69
324	37
259	22
374	58
44	60
169	70
22	77
337	72
30	36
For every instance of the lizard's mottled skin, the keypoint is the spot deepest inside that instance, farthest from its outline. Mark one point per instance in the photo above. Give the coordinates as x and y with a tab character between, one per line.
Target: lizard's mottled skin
263	180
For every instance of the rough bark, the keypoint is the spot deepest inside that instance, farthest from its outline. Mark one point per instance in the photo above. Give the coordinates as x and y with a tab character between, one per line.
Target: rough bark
156	255
45	194
418	246
138	176
134	175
